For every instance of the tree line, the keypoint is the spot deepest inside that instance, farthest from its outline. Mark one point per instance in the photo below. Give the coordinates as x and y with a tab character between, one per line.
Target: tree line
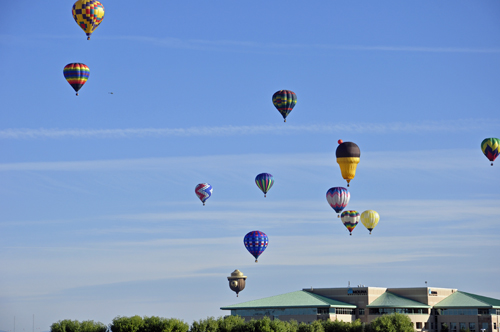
386	323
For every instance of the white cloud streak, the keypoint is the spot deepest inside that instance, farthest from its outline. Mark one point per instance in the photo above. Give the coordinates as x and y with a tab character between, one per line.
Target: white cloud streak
464	125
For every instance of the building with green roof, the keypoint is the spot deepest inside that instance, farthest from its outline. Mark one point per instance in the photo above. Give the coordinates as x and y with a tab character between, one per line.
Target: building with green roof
430	309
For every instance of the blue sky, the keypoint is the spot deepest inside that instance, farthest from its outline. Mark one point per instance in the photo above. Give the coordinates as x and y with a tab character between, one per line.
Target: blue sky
99	217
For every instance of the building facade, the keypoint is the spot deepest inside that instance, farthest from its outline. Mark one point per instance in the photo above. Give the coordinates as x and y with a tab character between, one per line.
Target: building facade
430	309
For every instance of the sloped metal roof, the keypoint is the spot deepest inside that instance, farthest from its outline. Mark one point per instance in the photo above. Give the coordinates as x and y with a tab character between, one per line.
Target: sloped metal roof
390	300
466	300
298	299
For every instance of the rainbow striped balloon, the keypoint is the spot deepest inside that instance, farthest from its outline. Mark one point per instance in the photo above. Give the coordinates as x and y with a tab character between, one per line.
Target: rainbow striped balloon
76	74
350	219
264	181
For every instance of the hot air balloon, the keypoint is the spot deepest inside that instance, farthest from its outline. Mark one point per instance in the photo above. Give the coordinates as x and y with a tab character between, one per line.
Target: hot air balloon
237	281
88	14
348	158
264	181
256	242
338	198
491	148
203	191
76	74
350	219
369	219
284	101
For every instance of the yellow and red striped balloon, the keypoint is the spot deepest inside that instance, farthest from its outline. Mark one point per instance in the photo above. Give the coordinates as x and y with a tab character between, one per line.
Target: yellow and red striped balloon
76	74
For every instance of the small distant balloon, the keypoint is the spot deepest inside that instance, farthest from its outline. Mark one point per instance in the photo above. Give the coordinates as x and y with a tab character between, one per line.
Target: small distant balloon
264	181
88	14
203	191
256	242
76	74
284	101
369	219
491	148
338	198
350	219
340	141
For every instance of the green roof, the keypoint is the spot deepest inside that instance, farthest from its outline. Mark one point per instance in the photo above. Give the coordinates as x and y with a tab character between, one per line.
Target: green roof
390	300
298	299
466	300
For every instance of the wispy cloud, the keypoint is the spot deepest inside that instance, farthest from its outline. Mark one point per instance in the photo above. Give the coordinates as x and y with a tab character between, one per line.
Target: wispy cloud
464	125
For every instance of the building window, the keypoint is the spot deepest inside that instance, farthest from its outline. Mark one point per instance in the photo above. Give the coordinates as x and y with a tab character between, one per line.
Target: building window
419	325
453	327
344	311
494	326
472	327
323	311
484	327
426	326
462	326
361	311
432	326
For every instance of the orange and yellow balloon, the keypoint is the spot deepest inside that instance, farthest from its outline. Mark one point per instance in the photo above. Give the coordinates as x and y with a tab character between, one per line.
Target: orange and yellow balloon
88	14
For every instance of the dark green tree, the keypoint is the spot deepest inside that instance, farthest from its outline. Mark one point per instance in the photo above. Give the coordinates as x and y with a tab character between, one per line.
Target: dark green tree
126	324
392	323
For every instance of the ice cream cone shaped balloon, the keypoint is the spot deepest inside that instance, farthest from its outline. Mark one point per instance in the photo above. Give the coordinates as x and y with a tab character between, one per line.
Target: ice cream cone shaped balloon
348	158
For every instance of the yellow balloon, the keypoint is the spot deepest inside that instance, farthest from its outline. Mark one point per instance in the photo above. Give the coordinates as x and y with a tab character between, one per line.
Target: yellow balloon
88	14
369	219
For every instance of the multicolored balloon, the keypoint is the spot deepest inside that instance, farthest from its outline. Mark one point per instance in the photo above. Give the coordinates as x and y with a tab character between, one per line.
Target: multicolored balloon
338	198
203	191
491	148
348	154
88	14
264	181
76	74
350	219
256	242
284	101
369	219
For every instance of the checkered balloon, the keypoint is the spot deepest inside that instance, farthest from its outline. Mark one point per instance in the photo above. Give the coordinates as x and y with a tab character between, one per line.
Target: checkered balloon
256	242
88	14
203	191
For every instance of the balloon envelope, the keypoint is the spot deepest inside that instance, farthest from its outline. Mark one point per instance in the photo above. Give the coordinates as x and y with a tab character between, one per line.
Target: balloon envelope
338	198
76	74
256	242
491	148
203	191
284	101
264	181
369	219
88	14
348	155
350	219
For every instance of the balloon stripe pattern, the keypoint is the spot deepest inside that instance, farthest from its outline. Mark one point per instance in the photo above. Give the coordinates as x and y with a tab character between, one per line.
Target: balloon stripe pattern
369	219
491	148
350	219
203	191
264	181
76	74
338	198
88	14
256	242
284	101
